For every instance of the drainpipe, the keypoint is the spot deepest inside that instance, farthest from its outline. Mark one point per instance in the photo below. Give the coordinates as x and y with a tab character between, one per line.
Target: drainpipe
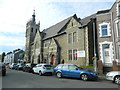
85	61
114	49
95	60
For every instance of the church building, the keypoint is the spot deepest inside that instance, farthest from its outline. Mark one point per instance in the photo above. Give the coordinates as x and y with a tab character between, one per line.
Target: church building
68	41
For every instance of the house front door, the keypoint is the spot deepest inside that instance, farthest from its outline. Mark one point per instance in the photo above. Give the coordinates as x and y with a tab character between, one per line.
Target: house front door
106	55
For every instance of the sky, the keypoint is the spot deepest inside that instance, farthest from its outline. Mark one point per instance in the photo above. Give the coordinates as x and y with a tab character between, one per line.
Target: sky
14	15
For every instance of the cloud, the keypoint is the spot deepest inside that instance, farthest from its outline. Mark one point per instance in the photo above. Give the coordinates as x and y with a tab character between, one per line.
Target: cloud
15	14
11	41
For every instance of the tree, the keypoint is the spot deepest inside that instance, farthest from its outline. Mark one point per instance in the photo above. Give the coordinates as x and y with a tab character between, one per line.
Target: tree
3	55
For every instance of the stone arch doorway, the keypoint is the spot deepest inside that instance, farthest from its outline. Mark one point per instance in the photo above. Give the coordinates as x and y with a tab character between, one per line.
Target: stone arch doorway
53	59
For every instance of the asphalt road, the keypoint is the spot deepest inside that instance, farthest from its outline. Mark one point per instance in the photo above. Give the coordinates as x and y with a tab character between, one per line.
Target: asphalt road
19	79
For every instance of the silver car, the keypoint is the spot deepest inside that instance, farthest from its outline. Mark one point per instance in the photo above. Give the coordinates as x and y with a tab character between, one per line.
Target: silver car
43	69
114	76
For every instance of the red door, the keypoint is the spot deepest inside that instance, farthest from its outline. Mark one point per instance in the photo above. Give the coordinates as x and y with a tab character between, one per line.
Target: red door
53	59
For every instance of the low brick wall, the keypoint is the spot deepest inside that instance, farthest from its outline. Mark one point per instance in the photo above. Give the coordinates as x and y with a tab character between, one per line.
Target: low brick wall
100	67
88	68
116	66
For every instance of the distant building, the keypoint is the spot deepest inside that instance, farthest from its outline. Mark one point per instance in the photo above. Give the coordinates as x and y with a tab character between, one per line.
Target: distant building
14	57
8	58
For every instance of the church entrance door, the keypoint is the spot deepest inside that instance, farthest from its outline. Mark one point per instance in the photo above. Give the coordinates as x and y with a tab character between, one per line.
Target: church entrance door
52	59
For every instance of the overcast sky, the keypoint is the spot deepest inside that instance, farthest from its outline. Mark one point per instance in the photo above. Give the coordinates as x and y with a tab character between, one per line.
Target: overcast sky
14	15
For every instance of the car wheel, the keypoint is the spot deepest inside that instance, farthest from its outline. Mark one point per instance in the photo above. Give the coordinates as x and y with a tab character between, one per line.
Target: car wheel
40	73
51	74
33	72
59	74
4	74
84	77
117	79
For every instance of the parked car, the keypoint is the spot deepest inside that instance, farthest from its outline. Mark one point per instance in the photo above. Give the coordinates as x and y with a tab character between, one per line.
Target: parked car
19	66
114	76
13	65
2	69
71	70
28	67
43	69
8	65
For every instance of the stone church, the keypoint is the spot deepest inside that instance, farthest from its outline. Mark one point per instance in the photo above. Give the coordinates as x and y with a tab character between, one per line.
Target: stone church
60	42
77	41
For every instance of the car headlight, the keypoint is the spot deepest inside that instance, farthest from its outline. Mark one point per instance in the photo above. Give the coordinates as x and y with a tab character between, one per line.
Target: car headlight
109	74
93	73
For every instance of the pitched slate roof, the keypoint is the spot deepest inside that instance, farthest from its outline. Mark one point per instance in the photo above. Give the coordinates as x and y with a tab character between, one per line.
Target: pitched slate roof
86	20
55	29
103	11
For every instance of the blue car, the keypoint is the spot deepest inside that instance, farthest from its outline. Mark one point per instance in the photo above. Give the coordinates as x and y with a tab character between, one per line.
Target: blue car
71	70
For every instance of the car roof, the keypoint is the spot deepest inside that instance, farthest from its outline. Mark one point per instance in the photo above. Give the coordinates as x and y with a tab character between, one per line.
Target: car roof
66	64
43	64
114	72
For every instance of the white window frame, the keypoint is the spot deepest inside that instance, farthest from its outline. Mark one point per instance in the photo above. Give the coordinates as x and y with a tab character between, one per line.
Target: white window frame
116	25
108	29
70	39
72	55
117	8
74	38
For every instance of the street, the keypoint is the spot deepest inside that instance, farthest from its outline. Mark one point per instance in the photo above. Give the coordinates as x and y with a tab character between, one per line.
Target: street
20	79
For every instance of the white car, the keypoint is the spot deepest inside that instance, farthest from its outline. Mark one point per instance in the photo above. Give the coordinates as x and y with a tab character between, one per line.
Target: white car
43	69
12	65
113	76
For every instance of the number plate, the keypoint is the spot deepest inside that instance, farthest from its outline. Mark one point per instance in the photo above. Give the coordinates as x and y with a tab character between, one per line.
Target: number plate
48	68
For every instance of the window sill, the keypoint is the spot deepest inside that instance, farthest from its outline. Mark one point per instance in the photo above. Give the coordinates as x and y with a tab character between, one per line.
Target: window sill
105	36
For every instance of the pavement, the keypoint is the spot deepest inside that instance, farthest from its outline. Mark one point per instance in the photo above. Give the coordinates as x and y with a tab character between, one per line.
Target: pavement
102	77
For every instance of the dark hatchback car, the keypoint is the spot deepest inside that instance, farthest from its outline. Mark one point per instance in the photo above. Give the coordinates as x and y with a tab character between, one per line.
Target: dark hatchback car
2	69
71	70
29	67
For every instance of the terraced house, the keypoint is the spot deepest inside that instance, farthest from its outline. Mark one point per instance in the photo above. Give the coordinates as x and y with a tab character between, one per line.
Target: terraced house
62	42
108	32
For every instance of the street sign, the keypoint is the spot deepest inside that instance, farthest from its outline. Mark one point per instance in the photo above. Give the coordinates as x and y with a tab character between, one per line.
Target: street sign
81	53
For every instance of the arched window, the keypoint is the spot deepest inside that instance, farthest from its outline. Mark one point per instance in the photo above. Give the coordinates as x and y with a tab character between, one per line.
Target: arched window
36	31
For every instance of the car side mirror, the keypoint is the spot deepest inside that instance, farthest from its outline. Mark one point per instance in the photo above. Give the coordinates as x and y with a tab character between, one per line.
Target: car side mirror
77	69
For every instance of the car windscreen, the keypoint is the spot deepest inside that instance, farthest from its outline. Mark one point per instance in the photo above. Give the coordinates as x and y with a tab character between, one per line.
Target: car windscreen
47	65
33	65
59	66
73	67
